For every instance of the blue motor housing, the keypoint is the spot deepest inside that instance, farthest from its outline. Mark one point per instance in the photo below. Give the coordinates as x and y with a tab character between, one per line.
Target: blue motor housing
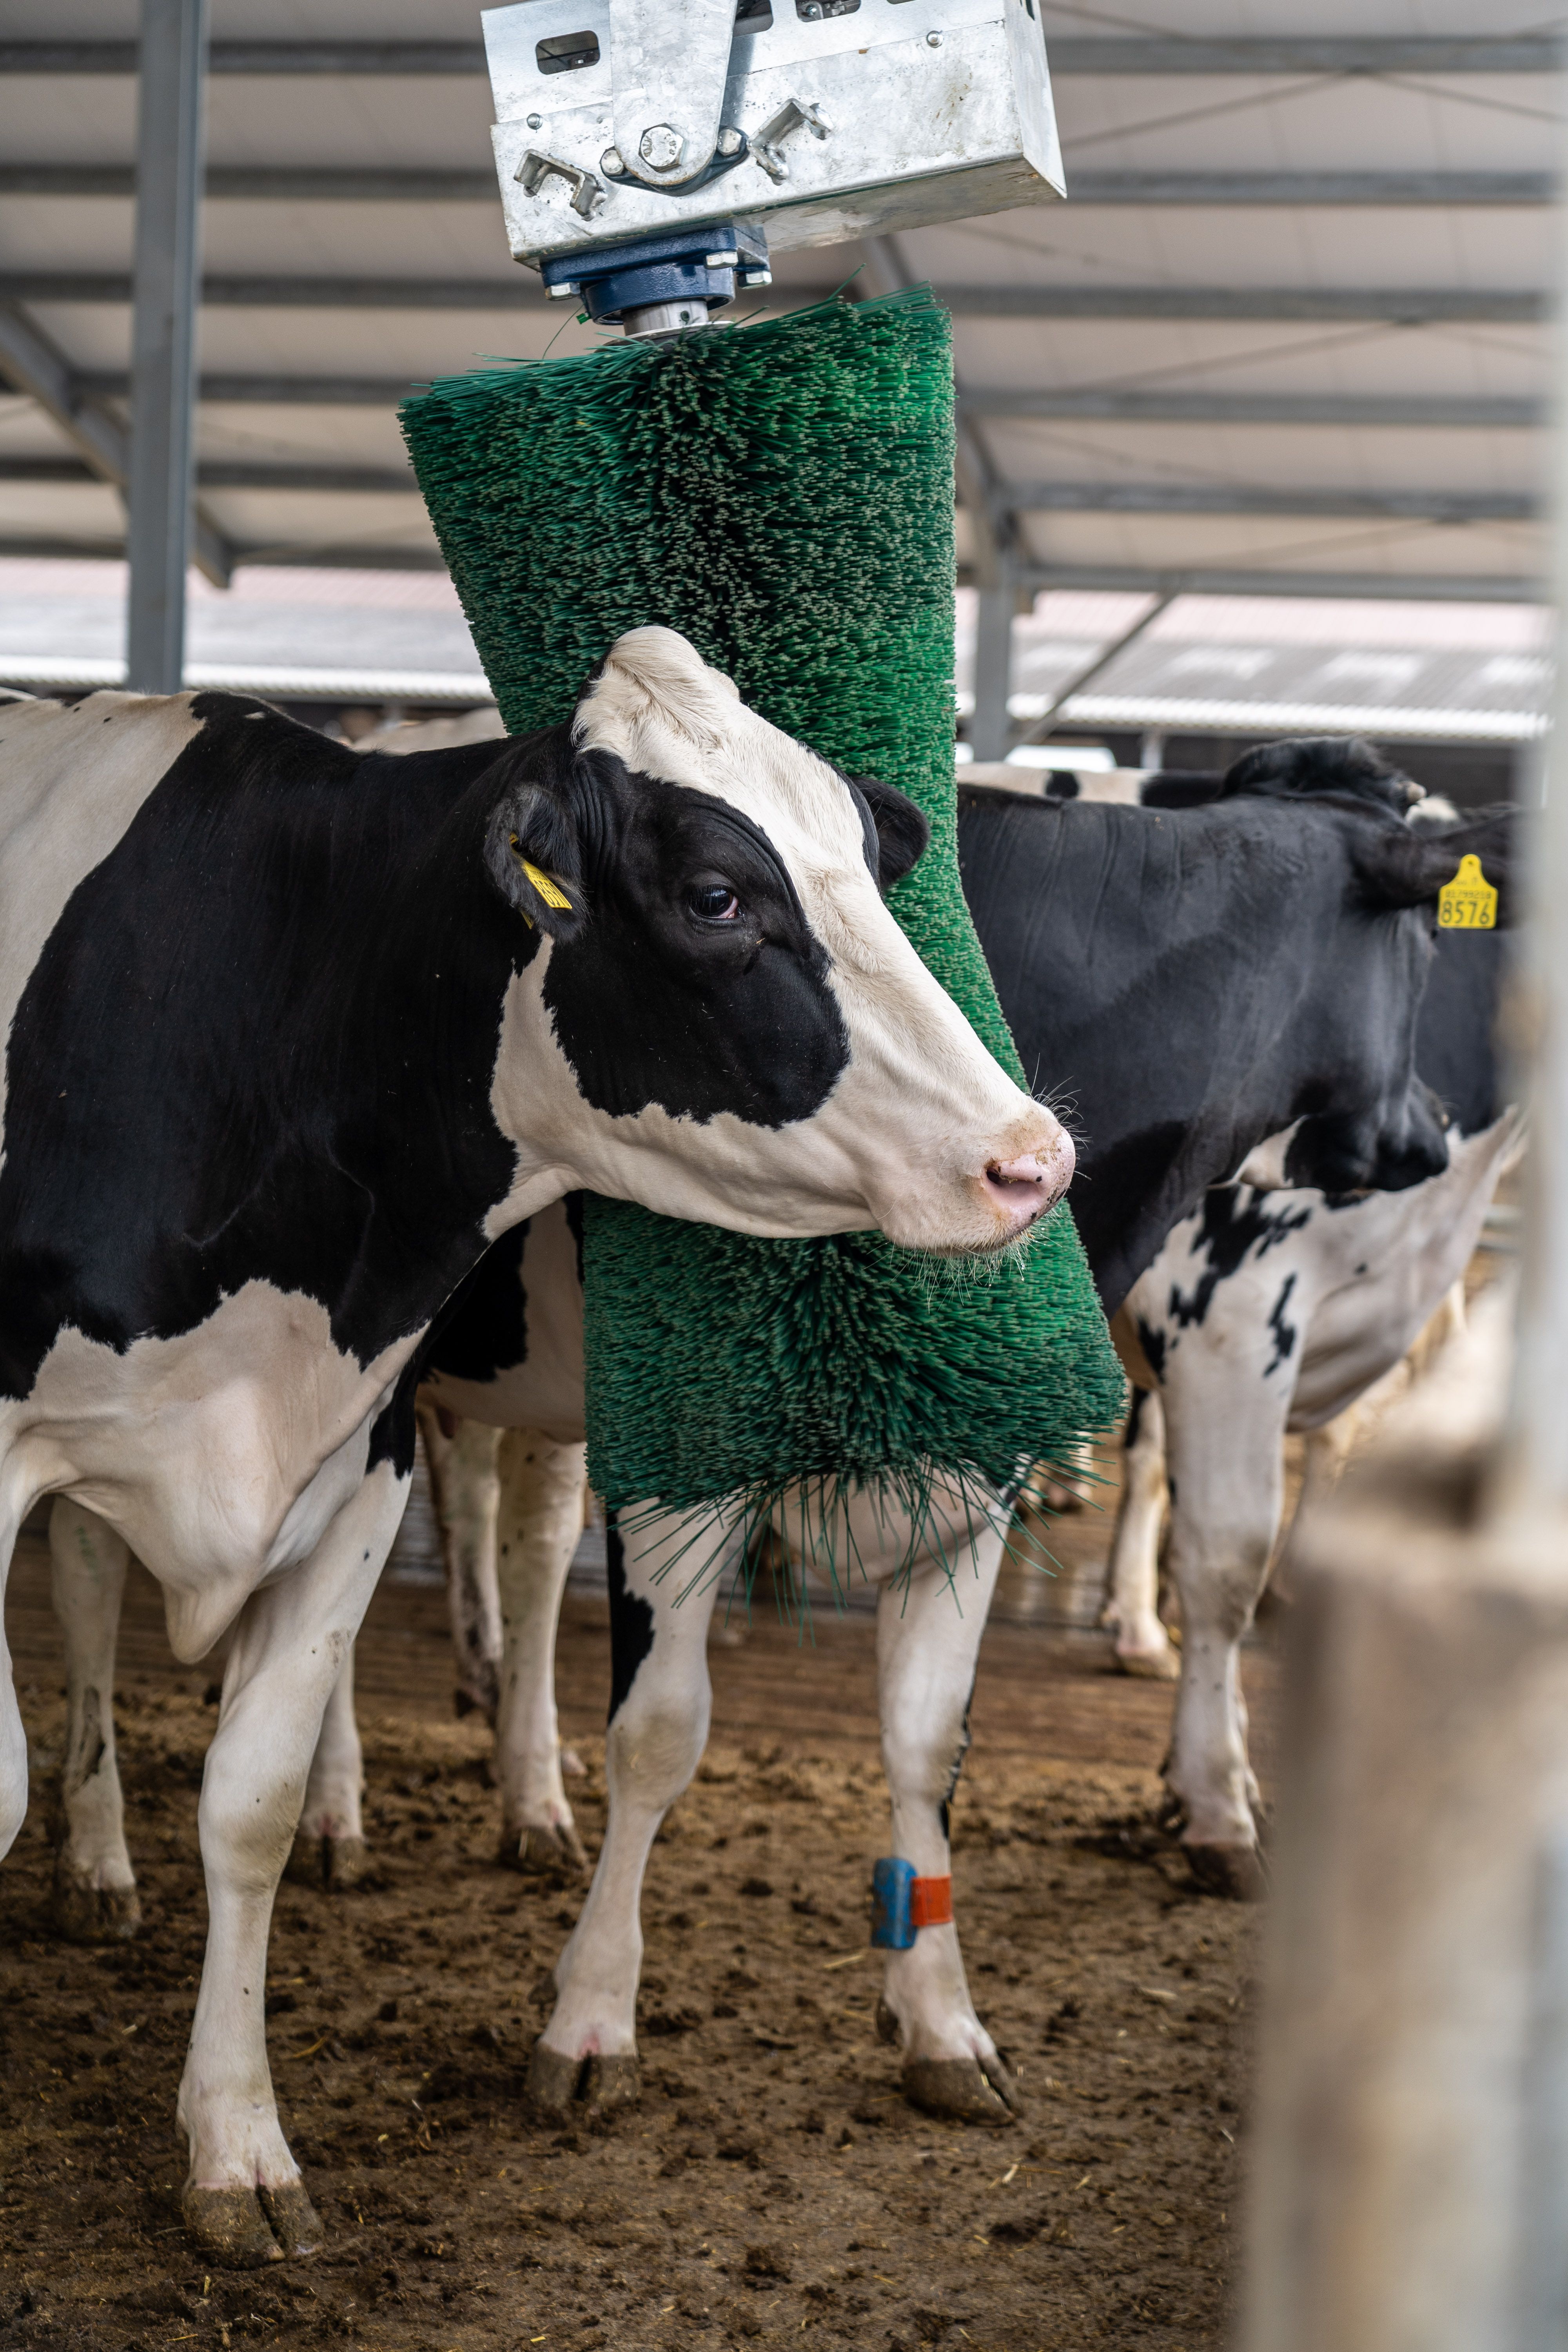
701	265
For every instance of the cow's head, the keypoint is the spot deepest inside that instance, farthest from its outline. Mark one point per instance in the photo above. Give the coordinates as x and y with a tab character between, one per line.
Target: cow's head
728	1024
1397	1135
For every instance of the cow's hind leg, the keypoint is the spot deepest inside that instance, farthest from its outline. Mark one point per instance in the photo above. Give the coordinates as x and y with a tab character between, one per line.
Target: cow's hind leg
659	1706
95	1897
1143	1645
460	1456
245	2204
537	1523
329	1845
928	1644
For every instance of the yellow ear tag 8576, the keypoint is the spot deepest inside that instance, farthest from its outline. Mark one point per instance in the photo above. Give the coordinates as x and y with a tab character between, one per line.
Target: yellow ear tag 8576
553	895
1467	903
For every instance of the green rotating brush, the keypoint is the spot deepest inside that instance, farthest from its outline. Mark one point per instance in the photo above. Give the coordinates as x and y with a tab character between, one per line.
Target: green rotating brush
783	495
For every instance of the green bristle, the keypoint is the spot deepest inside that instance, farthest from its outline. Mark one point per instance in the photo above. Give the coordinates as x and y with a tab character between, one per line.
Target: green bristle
782	494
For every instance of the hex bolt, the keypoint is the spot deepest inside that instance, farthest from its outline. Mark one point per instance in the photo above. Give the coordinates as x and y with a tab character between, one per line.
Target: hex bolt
933	40
610	164
731	142
660	147
536	122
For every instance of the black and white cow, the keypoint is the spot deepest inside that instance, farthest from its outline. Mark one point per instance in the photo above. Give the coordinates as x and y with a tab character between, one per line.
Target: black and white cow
294	1034
1271	1310
1374	932
1265	950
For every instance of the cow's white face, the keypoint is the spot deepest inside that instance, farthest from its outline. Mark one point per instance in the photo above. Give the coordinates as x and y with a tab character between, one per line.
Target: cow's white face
736	950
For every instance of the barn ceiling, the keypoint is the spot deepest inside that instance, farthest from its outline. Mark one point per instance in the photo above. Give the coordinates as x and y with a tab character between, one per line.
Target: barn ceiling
1289	332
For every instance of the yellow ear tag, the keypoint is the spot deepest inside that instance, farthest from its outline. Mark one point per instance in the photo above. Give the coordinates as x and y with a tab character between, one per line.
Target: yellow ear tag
1467	903
553	895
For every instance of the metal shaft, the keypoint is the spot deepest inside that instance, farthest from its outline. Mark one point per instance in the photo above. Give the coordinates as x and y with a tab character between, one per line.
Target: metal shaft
170	156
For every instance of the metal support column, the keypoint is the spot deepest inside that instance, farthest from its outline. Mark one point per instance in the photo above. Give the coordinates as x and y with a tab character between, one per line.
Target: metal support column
990	730
171	152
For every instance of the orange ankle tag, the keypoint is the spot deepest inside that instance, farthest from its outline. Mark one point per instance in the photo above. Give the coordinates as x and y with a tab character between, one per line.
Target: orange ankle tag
930	1903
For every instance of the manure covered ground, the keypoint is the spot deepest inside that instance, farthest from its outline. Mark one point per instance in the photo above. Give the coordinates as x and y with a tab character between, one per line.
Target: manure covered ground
773	2188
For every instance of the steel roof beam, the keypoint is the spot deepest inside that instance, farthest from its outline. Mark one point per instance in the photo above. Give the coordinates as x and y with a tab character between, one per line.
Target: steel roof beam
1434	410
31	363
1222	498
100	548
1013	498
1399	587
1443	411
367	184
1291	53
1400	306
223	475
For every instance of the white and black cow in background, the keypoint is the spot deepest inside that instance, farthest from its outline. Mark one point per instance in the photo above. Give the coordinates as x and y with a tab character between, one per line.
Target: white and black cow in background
294	1034
1271	1310
1316	916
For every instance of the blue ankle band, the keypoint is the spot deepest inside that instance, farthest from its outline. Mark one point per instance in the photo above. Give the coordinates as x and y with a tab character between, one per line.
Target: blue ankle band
892	1927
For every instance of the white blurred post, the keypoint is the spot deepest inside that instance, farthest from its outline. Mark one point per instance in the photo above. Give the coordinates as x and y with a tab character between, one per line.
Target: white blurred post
1410	2168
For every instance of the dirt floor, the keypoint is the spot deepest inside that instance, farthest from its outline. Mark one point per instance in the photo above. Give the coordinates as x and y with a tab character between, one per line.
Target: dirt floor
773	2185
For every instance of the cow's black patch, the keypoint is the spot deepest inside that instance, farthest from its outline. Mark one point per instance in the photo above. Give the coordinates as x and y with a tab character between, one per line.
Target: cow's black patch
1236	1221
1154	1344
653	1004
392	1432
574	1207
958	1753
485	1329
631	1621
1284	1333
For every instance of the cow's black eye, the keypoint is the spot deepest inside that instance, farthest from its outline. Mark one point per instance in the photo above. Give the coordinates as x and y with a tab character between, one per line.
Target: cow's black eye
713	902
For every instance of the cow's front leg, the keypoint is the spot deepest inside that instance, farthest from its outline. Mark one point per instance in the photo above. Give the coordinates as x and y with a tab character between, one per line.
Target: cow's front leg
659	1706
928	1644
95	1897
245	2204
1227	1489
1143	1645
329	1844
460	1456
538	1524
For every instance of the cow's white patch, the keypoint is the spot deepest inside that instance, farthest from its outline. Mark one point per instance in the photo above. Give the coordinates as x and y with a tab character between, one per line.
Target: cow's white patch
71	781
221	1456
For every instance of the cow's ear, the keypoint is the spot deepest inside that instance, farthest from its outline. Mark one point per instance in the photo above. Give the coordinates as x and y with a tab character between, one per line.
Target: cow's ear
532	853
899	826
1407	866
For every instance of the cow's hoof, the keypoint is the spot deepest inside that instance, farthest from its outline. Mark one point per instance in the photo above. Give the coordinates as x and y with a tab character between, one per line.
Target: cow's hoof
965	2088
612	2083
228	2226
1162	1665
544	1847
346	1859
85	1914
596	2085
1235	1872
318	1860
296	2224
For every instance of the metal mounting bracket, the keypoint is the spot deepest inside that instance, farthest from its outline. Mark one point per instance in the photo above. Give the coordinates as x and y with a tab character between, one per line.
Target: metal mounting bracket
587	193
794	114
